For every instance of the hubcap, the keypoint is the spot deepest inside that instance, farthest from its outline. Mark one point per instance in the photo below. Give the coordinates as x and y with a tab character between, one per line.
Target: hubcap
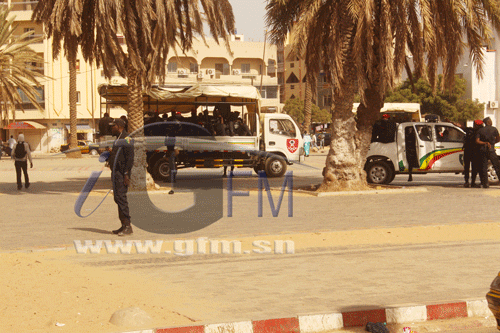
164	169
378	174
276	166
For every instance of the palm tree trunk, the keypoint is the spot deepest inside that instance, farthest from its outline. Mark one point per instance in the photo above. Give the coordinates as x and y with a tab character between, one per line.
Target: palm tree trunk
136	124
344	163
72	106
307	107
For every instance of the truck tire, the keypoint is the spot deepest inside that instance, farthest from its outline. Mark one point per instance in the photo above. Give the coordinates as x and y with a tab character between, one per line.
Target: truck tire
379	172
492	175
275	166
161	170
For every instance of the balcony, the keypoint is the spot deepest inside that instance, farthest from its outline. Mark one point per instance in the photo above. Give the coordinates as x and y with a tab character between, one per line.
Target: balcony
21	5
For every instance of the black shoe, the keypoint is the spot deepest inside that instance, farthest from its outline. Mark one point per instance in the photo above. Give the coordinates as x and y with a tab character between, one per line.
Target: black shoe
475	185
466	184
486	186
27	185
171	192
19	187
410	179
127	230
224	176
117	231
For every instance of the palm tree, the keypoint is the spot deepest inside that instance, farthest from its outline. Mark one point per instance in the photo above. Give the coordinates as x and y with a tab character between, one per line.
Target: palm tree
16	72
62	24
362	47
150	28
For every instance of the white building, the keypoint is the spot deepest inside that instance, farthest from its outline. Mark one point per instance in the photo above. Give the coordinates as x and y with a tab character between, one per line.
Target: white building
250	62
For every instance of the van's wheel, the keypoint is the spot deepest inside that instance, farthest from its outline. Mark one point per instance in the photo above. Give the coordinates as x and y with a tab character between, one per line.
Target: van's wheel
161	170
379	172
492	175
275	166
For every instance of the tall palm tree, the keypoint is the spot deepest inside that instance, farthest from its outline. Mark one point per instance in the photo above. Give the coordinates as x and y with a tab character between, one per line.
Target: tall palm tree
150	28
362	46
63	25
16	71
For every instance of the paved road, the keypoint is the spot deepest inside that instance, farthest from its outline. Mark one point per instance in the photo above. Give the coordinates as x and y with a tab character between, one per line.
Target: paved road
364	250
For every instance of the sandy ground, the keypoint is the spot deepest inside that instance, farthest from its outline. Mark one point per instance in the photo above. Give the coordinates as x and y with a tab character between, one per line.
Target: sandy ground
43	288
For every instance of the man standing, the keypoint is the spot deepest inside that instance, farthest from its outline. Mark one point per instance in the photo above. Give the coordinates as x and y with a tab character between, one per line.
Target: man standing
487	137
120	162
20	154
11	143
471	152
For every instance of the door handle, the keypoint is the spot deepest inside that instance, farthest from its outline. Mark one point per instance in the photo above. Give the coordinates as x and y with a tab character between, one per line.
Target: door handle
422	146
439	146
272	143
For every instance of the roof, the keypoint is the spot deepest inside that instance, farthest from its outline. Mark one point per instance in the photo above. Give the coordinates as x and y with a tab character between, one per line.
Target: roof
394	107
183	97
25	125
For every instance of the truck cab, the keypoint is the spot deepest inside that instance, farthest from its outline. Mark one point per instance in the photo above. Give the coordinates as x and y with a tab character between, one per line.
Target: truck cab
439	148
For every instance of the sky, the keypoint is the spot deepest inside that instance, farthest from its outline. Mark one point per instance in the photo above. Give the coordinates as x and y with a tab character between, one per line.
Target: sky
249	18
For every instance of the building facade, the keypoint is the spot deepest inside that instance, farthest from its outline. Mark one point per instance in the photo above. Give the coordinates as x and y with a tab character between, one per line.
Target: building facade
248	62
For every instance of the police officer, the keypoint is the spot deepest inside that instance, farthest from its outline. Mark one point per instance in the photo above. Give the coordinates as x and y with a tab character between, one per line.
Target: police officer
471	153
120	162
487	137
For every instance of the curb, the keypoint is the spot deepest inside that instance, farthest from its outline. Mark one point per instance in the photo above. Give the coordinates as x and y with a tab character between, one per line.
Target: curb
334	321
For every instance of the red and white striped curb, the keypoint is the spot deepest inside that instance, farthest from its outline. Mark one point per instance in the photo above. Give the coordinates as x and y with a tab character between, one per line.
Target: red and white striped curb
327	322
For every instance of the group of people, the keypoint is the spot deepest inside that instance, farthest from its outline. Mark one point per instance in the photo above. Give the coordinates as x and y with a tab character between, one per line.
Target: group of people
479	148
223	121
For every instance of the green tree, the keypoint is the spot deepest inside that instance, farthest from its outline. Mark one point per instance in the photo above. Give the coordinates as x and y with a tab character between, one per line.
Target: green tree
449	103
16	73
295	108
150	29
362	47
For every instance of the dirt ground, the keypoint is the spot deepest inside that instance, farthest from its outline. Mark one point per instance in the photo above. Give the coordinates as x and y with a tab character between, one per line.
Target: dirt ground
43	289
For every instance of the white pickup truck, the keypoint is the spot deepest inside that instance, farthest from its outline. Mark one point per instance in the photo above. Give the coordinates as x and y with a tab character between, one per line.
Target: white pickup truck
439	150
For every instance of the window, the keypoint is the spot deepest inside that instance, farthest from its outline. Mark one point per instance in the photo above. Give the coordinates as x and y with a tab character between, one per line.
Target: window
77	66
193	67
272	92
172	67
292	79
292	87
40	98
327	100
448	134
245	68
282	127
292	65
78	98
424	132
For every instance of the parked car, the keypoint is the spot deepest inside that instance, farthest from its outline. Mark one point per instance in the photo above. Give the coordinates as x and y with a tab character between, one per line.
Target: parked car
328	138
86	147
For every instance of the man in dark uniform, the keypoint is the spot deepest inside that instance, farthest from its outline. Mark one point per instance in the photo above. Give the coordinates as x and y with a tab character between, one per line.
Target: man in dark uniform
384	130
471	153
486	138
120	162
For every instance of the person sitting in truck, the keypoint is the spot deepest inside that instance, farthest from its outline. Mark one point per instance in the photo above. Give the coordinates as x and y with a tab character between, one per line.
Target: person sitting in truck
220	128
241	128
